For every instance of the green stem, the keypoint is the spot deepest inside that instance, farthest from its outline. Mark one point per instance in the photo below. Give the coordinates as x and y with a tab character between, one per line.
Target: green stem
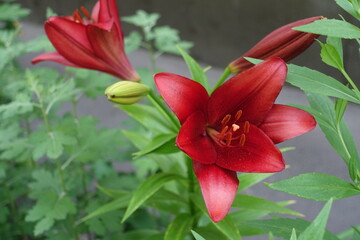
348	78
164	110
191	190
342	141
222	78
62	181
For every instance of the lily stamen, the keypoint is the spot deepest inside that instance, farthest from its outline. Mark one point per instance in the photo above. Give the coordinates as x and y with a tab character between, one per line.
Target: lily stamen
77	17
246	127
242	140
85	12
226	119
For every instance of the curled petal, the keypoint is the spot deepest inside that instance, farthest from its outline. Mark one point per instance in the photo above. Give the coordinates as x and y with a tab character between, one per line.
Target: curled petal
54	57
284	42
110	48
193	139
253	91
218	187
258	154
184	96
286	122
95	12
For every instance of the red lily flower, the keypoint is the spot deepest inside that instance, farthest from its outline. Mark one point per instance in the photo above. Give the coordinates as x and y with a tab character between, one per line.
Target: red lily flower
234	129
284	43
95	42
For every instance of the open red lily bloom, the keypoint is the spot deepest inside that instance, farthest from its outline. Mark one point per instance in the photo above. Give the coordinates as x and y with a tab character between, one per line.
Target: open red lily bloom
234	129
284	43
93	42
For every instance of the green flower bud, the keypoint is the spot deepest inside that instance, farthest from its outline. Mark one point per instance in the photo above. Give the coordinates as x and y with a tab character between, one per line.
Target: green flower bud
126	92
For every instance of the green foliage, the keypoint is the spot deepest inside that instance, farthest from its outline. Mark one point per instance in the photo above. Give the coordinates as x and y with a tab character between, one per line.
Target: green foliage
331	28
12	12
316	229
197	236
316	186
179	227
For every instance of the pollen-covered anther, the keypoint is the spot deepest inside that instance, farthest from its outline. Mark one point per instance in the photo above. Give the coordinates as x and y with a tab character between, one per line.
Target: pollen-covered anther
246	127
242	140
238	115
226	119
85	12
77	16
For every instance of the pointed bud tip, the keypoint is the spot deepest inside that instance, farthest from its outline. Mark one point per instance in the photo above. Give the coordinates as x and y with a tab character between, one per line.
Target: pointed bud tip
126	92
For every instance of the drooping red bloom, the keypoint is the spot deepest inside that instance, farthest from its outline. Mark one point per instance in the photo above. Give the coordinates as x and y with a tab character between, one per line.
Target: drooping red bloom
93	42
284	43
234	129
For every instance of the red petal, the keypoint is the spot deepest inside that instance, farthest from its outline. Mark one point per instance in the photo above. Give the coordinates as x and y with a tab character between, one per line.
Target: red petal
95	12
53	56
108	11
258	155
285	122
253	91
218	187
70	29
107	45
67	44
193	140
283	42
184	96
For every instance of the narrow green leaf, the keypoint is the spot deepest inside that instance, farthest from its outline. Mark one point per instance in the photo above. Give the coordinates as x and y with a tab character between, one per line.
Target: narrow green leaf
316	186
156	143
332	28
356	235
112	193
293	234
337	43
347	233
271	236
150	186
249	179
340	138
340	107
197	236
260	204
195	69
347	6
147	116
283	227
118	203
330	56
179	227
228	227
316	229
316	82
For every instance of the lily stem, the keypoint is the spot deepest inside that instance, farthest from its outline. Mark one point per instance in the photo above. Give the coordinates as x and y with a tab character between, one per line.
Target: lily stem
348	78
164	110
191	190
222	78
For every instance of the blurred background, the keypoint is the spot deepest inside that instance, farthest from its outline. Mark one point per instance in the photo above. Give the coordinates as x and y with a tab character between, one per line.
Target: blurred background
221	32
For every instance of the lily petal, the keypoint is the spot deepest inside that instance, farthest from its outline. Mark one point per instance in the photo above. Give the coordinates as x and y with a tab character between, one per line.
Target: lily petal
252	91
218	187
108	10
69	47
95	12
257	155
108	46
193	140
286	122
184	96
55	57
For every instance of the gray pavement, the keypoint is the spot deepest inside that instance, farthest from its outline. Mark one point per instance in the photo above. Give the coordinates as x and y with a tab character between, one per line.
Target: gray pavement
312	154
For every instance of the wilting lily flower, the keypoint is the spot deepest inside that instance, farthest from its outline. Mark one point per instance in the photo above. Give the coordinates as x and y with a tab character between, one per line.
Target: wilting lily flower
283	42
234	129
94	41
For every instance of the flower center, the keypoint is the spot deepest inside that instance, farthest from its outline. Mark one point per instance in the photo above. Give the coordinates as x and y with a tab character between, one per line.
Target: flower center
232	131
77	15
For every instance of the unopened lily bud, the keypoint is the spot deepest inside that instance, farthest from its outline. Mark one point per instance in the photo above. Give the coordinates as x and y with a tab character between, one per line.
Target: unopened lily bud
284	43
126	92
